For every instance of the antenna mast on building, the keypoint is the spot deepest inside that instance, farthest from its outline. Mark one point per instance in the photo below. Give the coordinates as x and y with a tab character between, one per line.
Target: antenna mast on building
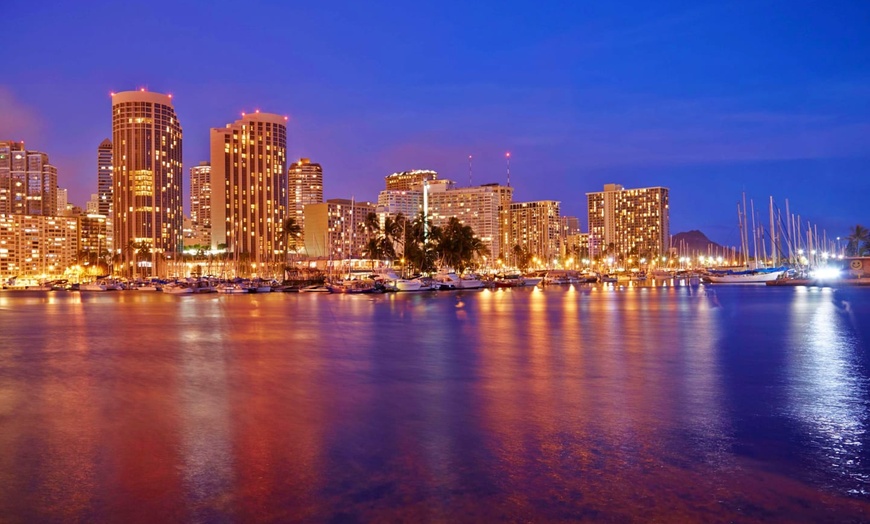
508	156
469	170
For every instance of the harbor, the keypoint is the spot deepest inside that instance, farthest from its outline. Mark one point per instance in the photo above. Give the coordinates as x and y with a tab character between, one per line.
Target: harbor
729	403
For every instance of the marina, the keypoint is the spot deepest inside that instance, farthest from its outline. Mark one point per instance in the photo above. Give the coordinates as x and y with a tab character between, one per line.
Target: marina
694	403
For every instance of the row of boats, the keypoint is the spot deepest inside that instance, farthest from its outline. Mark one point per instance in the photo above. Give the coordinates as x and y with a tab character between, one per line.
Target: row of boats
386	280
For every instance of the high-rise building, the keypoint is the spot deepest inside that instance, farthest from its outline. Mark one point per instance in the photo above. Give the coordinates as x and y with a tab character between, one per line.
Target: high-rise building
28	181
62	201
570	225
304	187
625	223
200	202
409	180
393	202
92	206
476	207
535	228
334	228
36	246
94	238
147	179
249	186
505	198
104	177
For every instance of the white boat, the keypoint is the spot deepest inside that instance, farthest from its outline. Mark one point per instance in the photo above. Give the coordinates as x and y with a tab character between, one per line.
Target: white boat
470	281
749	276
178	288
231	288
531	281
393	281
103	284
260	286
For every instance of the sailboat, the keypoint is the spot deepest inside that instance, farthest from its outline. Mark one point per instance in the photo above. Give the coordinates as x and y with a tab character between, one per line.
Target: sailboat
757	275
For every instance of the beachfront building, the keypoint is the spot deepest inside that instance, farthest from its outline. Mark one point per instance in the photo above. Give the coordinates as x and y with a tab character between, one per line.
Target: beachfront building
409	180
535	229
200	205
146	200
249	187
37	247
628	223
477	207
28	181
334	229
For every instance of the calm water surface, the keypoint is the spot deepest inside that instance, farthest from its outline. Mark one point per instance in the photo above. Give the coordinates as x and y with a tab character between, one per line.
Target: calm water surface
628	404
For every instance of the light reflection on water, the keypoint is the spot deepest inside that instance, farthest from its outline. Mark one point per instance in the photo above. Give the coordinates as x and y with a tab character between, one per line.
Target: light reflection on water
617	403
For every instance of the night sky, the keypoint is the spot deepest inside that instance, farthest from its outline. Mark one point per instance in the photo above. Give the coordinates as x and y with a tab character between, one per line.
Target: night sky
771	98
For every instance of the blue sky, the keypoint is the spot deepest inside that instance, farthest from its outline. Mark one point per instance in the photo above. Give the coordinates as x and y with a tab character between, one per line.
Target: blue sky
768	97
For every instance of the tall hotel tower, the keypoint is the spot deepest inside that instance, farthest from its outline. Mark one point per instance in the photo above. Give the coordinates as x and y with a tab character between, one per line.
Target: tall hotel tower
28	181
104	177
249	186
632	222
200	200
147	173
305	186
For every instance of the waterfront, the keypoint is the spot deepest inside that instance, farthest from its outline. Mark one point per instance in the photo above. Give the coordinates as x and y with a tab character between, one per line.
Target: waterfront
620	404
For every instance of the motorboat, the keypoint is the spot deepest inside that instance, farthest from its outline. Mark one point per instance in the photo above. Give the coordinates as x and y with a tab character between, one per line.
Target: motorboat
748	276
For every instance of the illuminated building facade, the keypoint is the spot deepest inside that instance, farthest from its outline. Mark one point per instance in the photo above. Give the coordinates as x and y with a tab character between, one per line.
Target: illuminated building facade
200	202
626	223
536	229
249	186
62	201
28	181
94	238
104	177
147	179
505	198
305	187
333	228
409	180
477	207
393	202
36	246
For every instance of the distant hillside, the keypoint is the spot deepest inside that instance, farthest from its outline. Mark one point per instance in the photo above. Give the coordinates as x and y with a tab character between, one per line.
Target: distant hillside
695	242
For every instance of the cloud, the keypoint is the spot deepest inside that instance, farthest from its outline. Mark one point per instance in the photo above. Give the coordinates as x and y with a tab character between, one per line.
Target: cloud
17	120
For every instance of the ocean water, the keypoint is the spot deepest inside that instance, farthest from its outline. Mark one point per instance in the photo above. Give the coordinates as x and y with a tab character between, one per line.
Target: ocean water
623	404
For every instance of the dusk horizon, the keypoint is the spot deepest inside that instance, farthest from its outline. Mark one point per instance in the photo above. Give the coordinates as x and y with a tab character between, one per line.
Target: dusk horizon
711	102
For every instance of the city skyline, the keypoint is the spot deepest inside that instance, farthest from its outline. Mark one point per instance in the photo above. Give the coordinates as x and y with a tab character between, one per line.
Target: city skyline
710	101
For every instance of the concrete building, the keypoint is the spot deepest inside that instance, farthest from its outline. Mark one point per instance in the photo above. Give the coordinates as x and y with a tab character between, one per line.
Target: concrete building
304	187
477	207
147	179
94	239
104	177
92	206
62	201
200	203
409	180
333	228
505	198
625	223
249	186
536	229
393	202
36	246
28	181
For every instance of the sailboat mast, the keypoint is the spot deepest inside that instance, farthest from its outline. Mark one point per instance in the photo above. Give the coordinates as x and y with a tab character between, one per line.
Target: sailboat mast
772	235
754	233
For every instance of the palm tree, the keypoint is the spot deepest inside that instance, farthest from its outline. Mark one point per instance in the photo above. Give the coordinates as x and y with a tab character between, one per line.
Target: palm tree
858	241
291	231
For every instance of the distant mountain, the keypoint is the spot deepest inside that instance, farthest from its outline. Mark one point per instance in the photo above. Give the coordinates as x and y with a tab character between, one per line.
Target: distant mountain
695	242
